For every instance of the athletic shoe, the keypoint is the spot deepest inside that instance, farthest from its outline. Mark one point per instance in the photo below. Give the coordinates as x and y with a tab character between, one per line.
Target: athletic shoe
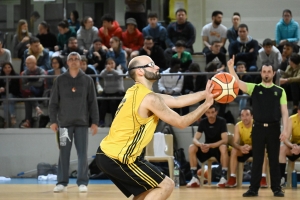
263	182
250	193
82	188
279	193
60	188
193	183
25	124
282	182
222	182
231	182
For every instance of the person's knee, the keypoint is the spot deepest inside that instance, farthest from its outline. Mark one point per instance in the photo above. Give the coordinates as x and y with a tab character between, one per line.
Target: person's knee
167	185
193	149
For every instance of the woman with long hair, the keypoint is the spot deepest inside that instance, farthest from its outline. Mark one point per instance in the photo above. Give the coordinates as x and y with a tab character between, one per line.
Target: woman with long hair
117	53
21	39
47	39
86	34
65	32
13	91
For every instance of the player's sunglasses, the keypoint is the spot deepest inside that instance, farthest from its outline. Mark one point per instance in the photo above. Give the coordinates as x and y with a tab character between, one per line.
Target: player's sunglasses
152	64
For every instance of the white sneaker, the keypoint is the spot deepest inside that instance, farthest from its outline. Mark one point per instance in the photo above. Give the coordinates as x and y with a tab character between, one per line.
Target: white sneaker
222	182
60	188
99	89
193	183
82	188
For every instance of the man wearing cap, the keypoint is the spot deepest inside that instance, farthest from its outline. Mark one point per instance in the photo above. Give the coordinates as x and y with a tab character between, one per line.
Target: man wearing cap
291	146
132	38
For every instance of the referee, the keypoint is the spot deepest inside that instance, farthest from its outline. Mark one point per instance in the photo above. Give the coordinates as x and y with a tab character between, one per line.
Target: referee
269	104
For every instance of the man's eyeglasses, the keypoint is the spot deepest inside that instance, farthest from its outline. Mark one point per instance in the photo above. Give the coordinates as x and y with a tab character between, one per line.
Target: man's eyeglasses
74	60
152	64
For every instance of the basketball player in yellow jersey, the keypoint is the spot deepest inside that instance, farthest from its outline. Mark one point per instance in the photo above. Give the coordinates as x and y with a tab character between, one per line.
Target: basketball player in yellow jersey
133	128
242	143
291	147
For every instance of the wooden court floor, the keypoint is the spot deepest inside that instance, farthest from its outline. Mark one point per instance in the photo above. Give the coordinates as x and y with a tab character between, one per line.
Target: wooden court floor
110	192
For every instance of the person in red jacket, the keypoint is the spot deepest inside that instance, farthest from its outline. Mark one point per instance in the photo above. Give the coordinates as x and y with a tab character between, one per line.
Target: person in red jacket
109	29
132	38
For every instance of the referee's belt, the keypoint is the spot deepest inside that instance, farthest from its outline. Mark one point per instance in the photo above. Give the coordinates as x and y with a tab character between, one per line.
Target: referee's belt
266	124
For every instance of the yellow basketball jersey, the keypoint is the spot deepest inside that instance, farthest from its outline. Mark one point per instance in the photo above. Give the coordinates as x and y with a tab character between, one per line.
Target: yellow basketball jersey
295	129
245	133
129	132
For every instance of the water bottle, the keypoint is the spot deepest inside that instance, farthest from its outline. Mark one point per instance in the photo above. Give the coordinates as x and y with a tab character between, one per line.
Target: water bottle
176	174
294	179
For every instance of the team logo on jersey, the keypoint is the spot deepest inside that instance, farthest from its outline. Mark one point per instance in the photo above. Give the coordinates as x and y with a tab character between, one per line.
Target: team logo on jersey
275	93
260	92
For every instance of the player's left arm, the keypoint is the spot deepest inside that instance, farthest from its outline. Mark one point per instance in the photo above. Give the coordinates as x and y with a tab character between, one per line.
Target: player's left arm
224	140
285	115
183	100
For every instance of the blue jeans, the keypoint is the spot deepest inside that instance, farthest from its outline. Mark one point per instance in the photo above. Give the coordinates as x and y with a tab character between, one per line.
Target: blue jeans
10	106
242	102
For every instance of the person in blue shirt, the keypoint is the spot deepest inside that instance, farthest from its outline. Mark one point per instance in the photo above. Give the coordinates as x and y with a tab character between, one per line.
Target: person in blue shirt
287	30
117	53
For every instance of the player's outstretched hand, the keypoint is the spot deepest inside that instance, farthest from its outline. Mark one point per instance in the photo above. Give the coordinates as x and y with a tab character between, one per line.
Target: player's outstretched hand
209	95
230	62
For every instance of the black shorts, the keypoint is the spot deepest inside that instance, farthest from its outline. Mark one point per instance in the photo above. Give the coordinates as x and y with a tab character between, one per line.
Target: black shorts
293	157
215	152
244	157
134	178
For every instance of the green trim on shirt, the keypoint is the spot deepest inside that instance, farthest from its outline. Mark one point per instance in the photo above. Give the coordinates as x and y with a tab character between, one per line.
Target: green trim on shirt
250	88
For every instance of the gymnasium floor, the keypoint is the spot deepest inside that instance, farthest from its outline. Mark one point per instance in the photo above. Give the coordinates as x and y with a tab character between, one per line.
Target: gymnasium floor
32	189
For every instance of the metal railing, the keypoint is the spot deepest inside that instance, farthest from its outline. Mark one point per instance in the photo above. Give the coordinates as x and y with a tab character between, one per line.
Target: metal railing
7	99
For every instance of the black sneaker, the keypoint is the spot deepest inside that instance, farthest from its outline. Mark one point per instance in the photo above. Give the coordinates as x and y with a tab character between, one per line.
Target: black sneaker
250	193
279	193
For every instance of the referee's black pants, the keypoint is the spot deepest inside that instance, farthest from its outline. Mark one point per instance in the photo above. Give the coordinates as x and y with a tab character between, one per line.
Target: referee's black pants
265	137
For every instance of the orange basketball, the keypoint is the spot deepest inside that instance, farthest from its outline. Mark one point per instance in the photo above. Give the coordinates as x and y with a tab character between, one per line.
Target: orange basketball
205	173
227	87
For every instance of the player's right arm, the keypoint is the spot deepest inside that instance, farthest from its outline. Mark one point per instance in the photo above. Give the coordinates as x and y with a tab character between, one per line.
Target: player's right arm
155	104
236	138
242	84
287	142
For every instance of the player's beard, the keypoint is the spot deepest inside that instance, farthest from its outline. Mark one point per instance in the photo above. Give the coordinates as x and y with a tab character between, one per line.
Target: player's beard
267	79
152	76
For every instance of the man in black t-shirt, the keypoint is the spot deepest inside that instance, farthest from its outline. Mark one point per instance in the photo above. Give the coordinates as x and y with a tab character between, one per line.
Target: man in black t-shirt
215	131
216	56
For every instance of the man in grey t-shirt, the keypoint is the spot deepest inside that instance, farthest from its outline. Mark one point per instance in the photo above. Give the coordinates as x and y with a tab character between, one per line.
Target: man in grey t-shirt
214	31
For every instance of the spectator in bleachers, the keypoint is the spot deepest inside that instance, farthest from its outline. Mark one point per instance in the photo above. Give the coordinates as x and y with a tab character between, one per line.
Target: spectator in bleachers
110	28
193	83
37	50
241	68
5	55
47	39
31	87
89	69
179	30
86	34
287	30
216	55
13	89
214	31
155	30
286	53
97	55
72	46
245	49
65	32
21	39
73	21
232	33
57	69
214	129
137	9
291	78
171	85
154	51
132	38
117	53
184	56
113	87
269	53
